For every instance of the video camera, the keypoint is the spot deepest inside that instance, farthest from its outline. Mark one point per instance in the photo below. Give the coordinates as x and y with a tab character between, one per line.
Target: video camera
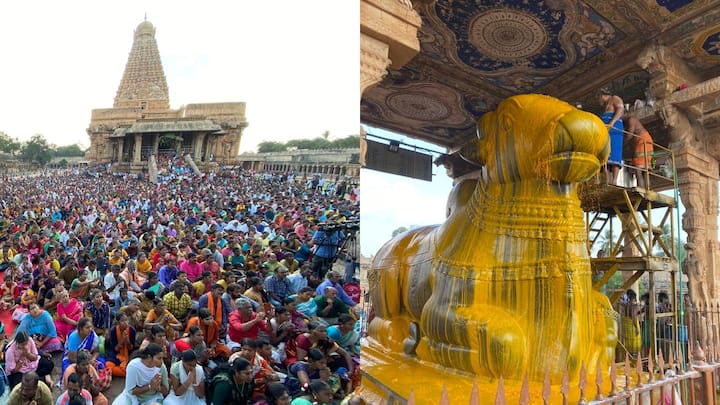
350	225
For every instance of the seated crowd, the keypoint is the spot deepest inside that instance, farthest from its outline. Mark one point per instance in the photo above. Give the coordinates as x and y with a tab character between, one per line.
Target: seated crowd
193	292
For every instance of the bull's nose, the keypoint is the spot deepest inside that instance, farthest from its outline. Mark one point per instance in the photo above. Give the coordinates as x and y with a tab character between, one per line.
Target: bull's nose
582	132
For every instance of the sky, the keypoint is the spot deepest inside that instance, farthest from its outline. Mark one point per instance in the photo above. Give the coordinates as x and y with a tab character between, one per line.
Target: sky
389	202
295	64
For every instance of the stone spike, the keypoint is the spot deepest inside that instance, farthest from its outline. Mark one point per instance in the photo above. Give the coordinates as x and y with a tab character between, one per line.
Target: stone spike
582	383
698	353
613	379
525	391
475	395
500	395
627	372
598	382
144	77
546	391
671	362
444	400
651	369
661	366
411	397
638	371
565	386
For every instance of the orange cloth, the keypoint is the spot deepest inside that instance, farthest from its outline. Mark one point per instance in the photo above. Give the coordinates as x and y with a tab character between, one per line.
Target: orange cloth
215	310
118	370
211	335
642	151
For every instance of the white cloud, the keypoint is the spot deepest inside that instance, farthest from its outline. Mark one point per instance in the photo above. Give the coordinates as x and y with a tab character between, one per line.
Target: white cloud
295	64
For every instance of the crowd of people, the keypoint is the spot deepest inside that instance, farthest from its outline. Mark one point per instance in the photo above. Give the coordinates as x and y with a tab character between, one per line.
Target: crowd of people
214	290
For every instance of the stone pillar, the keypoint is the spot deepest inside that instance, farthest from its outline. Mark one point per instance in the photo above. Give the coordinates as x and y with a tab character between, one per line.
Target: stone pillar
698	184
138	146
197	146
121	145
388	35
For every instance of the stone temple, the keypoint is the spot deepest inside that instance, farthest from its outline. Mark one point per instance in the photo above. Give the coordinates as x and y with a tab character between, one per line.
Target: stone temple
141	123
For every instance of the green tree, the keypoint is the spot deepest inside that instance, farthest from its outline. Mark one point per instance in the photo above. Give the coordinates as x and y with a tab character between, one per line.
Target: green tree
398	231
606	240
667	239
351	141
269	146
69	151
37	150
8	144
311	144
63	162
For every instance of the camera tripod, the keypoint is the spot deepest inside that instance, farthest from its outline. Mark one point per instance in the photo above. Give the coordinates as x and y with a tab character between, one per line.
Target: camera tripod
349	250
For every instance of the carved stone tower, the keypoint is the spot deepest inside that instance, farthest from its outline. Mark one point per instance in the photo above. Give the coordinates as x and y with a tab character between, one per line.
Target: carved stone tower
143	83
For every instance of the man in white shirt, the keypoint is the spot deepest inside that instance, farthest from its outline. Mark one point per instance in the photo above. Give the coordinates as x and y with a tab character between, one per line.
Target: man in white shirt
114	282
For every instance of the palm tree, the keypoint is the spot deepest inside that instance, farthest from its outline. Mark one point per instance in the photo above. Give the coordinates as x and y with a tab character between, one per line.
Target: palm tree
607	241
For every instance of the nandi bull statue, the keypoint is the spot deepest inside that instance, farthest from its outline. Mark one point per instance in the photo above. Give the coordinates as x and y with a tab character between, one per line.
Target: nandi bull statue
503	287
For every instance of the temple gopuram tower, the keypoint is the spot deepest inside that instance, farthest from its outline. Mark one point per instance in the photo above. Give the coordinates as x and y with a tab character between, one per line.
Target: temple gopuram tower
141	123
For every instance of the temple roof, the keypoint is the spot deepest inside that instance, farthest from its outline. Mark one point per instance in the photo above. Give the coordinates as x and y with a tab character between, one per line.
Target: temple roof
144	79
167	126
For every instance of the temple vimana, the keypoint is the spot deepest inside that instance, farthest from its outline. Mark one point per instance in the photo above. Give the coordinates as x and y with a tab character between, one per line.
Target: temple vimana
141	123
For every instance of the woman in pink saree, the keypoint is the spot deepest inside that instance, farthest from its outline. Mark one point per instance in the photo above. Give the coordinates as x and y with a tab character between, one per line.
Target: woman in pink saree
69	310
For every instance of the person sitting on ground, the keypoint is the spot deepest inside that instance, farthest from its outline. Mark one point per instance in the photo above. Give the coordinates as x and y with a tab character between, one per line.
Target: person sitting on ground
345	335
305	303
214	303
193	340
203	285
187	381
80	287
263	373
82	338
74	388
211	333
21	356
121	342
318	392
233	384
245	323
10	293
330	306
158	336
162	317
69	311
277	394
99	311
178	302
85	368
333	280
39	325
30	392
256	292
153	284
277	286
121	301
147	380
301	373
317	338
135	316
300	278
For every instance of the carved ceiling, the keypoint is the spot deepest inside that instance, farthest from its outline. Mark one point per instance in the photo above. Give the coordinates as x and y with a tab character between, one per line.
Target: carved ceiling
475	53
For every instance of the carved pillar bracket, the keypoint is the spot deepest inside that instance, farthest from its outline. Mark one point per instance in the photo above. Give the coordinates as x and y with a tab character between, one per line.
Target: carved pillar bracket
697	181
388	36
